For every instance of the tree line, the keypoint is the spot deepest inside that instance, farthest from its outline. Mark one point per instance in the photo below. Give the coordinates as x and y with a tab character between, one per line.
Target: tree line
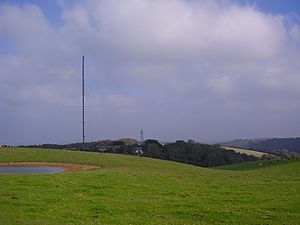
194	153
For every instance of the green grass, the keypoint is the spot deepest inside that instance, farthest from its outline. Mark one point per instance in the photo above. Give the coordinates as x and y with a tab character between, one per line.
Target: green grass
136	190
255	164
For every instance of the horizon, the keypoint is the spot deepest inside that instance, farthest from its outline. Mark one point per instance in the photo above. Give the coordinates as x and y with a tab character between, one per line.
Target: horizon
210	70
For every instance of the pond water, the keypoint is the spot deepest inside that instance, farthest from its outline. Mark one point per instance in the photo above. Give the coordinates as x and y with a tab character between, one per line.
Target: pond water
30	170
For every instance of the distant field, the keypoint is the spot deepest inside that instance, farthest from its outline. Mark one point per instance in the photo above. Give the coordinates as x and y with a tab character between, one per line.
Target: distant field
246	151
137	190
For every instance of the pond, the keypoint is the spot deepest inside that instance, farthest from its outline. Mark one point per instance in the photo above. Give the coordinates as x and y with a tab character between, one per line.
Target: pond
30	170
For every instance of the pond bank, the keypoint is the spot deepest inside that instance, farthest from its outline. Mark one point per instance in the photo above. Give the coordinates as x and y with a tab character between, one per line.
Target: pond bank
68	167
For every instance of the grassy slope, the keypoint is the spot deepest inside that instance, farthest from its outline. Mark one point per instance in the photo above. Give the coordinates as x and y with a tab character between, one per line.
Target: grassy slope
256	165
134	190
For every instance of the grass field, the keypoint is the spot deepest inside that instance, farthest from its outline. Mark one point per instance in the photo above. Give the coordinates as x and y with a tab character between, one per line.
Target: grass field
246	151
136	190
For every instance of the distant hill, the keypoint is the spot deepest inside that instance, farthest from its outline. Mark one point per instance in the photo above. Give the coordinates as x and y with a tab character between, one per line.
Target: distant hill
269	145
128	141
246	151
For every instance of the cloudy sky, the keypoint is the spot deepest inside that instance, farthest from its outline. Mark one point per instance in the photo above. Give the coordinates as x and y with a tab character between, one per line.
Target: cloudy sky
209	70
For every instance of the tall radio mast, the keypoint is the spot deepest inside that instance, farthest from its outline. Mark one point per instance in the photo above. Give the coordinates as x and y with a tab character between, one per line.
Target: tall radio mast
83	131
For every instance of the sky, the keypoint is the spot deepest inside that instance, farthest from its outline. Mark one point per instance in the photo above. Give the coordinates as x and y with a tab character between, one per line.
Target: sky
208	70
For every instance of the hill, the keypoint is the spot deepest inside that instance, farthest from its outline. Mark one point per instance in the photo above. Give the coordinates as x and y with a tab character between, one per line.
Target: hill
128	141
268	145
246	151
138	190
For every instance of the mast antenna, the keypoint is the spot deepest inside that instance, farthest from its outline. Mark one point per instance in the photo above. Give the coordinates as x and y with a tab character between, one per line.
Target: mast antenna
142	136
83	119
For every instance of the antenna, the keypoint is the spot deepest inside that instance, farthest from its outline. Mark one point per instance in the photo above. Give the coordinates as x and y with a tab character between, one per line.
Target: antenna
142	136
83	131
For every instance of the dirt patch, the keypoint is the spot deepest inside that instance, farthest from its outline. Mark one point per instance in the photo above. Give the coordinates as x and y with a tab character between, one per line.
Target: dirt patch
68	167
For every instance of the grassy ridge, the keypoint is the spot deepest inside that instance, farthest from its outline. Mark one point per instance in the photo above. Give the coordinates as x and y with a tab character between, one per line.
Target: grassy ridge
134	190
